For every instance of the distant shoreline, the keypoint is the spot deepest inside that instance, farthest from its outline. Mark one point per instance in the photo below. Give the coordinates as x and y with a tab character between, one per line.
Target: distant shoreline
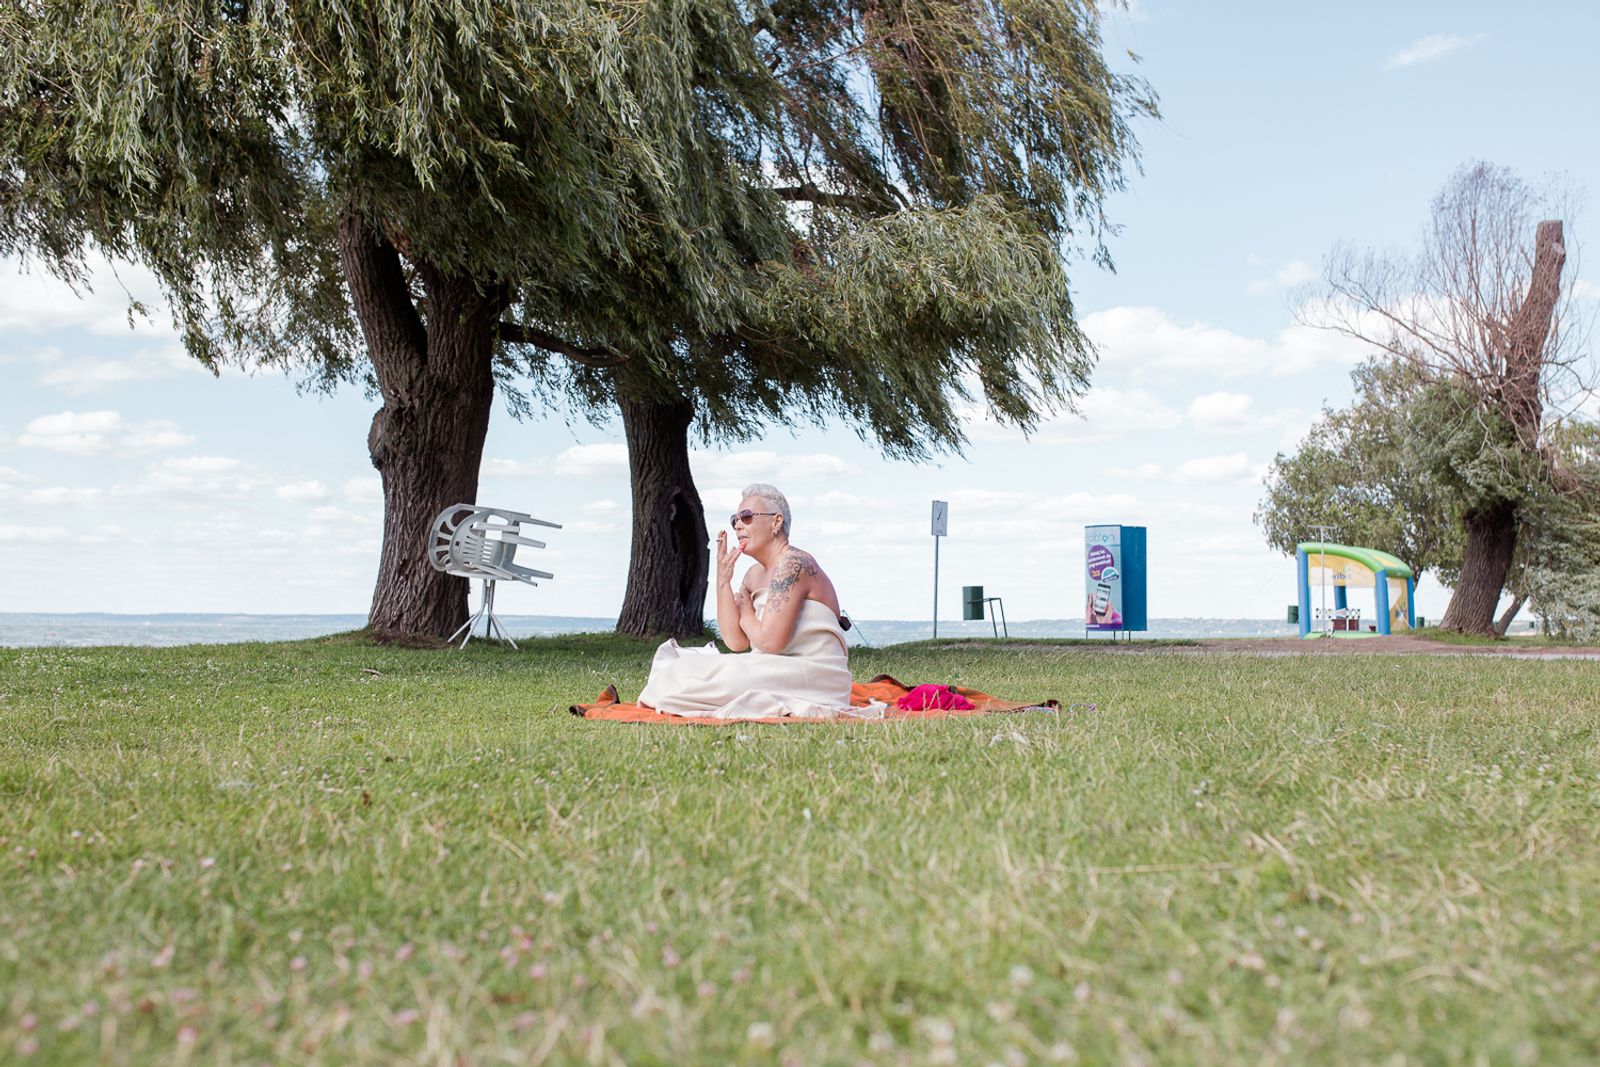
165	629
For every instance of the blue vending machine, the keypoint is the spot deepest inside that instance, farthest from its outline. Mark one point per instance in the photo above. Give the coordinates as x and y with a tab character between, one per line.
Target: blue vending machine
1115	597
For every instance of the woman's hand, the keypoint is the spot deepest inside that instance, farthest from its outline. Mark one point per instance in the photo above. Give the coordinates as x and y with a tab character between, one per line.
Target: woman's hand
725	559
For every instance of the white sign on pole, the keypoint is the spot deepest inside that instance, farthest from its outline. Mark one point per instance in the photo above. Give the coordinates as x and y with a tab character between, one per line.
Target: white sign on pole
941	519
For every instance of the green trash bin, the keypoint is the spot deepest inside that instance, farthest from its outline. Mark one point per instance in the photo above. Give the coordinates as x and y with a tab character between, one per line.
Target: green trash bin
1294	614
972	603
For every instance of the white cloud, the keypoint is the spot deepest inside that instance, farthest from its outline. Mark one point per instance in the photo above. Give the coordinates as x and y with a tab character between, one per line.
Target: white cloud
752	466
1144	472
1213	469
1584	289
1426	49
367	489
592	461
86	374
311	490
35	302
199	478
1293	273
32	535
1145	339
601	507
513	468
92	433
61	496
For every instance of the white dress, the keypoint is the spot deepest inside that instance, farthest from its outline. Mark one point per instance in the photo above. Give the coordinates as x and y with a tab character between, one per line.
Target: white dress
809	679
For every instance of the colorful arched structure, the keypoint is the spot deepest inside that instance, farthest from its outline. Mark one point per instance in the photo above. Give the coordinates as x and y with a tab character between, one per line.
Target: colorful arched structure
1393	585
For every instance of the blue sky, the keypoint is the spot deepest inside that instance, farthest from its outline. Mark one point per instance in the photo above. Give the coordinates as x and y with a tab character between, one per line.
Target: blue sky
133	481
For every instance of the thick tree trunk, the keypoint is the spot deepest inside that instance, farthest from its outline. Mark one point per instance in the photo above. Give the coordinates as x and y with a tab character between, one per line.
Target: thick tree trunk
667	569
427	439
1510	614
1485	562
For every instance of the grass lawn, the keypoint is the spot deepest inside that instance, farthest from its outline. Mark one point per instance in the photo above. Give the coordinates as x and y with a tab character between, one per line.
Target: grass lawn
324	852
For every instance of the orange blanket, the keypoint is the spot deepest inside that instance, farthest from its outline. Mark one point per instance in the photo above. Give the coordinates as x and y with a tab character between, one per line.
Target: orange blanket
607	706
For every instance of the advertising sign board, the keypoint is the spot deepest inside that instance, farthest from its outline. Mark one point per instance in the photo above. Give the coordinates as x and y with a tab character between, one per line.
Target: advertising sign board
1114	573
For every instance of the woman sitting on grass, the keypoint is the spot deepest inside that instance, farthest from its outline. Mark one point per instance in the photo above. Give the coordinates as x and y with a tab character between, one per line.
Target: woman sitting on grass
785	611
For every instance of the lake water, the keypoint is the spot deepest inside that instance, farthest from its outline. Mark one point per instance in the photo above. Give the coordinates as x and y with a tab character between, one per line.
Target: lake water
78	630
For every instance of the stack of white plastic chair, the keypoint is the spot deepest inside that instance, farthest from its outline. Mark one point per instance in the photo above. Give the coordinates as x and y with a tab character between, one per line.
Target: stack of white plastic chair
470	541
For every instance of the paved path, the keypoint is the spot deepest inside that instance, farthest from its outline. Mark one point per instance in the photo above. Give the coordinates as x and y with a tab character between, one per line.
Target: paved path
1390	645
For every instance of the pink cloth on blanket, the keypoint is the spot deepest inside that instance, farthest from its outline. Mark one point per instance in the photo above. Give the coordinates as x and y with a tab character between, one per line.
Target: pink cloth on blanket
928	696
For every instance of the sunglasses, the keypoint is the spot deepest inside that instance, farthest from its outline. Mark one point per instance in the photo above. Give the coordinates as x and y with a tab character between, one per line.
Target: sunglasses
746	516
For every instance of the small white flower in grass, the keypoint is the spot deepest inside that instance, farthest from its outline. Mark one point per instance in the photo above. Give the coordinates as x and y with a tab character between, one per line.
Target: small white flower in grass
759	1035
207	862
76	835
188	1035
552	898
1251	961
297	964
805	813
164	957
706	989
1062	1052
28	1023
1081	992
1001	1011
285	867
880	1041
364	970
1022	976
139	865
669	958
526	1021
741	976
650	928
937	1030
90	1008
406	1016
404	952
183	995
539	972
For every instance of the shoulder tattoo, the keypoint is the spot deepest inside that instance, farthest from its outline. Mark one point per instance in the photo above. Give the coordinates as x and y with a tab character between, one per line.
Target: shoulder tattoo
794	565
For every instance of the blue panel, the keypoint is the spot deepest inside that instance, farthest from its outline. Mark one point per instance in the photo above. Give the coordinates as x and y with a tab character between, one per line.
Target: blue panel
1135	594
1380	586
1303	576
1411	602
1341	597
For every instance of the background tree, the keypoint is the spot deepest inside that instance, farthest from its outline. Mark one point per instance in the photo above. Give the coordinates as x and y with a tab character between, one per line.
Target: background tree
620	201
1358	471
1483	308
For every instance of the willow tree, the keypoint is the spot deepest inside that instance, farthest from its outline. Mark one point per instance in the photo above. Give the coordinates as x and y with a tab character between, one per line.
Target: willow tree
590	198
940	162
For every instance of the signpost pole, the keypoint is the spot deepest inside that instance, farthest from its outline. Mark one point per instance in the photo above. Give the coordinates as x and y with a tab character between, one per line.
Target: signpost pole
1322	561
936	587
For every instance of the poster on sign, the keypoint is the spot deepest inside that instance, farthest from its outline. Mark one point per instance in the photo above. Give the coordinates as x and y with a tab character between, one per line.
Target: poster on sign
1103	557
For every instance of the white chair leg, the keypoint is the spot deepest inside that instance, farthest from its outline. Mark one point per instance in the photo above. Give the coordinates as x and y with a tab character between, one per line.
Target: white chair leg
486	599
495	625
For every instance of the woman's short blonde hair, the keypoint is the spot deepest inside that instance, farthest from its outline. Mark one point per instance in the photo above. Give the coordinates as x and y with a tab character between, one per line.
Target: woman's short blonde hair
771	500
